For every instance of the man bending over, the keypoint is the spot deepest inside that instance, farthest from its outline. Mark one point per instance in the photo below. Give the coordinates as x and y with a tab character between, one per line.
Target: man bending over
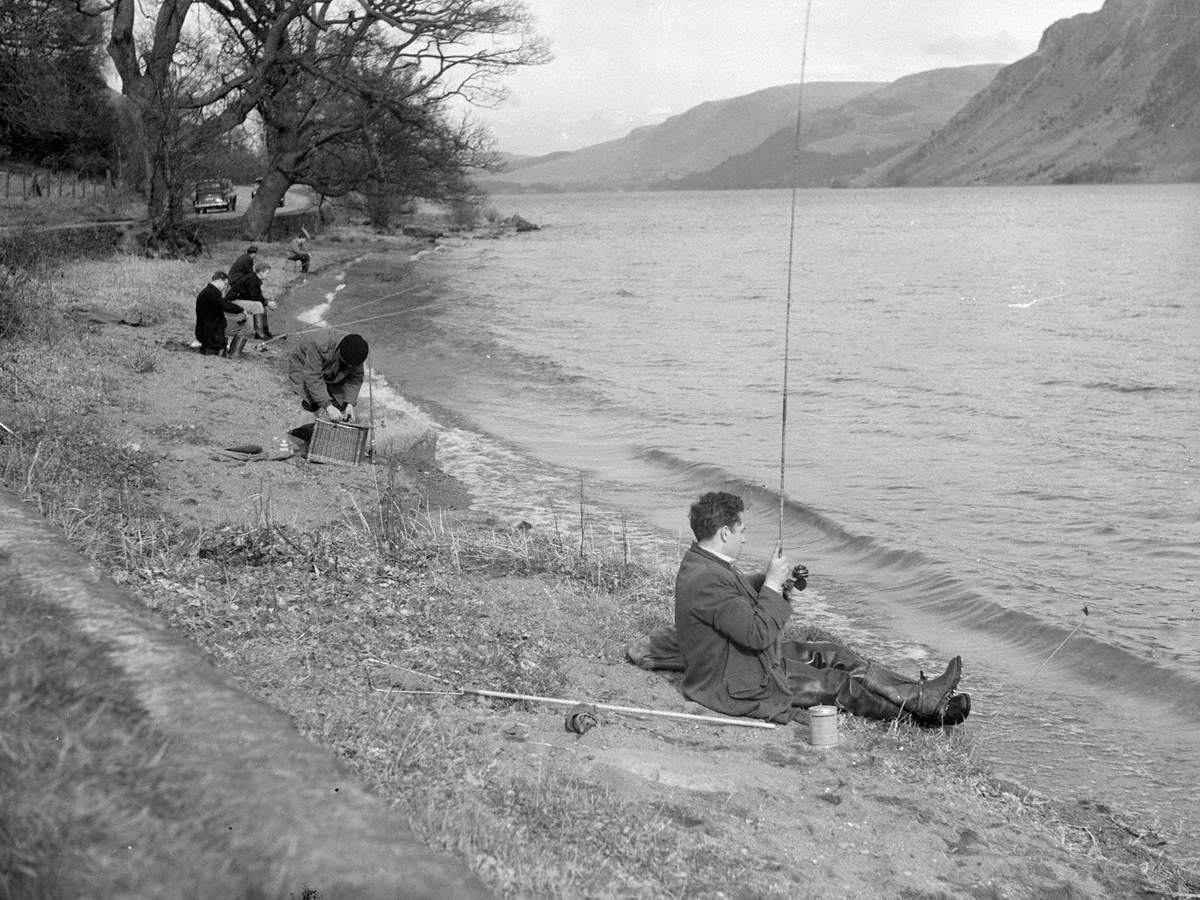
327	373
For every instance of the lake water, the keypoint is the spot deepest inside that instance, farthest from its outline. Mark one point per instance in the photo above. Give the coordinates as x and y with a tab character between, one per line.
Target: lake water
992	424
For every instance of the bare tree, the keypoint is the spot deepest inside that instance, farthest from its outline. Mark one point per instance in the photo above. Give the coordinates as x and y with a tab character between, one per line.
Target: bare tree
315	71
396	153
177	95
146	79
345	68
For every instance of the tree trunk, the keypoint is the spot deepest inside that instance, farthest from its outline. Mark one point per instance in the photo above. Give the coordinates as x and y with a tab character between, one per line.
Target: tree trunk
145	80
261	212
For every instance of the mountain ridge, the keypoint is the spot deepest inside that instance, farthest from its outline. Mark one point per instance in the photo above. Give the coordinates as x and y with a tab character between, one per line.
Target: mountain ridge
838	144
1106	96
692	141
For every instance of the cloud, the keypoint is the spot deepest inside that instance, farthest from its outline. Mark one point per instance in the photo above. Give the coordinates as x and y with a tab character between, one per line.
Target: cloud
1001	46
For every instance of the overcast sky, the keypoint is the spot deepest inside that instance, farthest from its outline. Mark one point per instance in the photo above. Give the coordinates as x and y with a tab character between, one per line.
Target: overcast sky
620	64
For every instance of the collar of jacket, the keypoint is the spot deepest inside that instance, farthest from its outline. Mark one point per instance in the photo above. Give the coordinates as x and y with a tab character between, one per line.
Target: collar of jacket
708	554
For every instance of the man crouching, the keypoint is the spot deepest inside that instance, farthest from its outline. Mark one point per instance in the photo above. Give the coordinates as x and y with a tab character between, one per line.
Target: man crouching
327	373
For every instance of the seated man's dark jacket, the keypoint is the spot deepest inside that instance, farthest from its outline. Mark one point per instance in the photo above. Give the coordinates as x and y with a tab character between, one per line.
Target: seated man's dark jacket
728	631
211	308
248	287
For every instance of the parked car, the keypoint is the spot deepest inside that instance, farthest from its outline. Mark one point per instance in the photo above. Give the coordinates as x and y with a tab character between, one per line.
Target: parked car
258	186
214	194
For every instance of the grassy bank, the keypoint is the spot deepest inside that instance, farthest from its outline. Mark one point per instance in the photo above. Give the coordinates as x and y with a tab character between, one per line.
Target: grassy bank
93	203
363	621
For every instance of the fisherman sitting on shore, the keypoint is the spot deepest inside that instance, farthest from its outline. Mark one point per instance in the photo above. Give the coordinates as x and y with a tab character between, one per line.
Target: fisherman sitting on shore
728	631
298	250
327	373
248	294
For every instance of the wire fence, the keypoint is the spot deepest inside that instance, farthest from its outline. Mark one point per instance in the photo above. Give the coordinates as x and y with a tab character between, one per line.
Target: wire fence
49	185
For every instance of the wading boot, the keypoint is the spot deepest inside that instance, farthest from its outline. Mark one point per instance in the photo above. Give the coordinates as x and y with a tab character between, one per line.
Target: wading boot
924	698
261	331
958	708
237	343
854	698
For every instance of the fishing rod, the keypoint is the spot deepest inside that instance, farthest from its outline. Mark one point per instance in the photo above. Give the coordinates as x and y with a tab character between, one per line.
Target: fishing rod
562	701
787	329
449	691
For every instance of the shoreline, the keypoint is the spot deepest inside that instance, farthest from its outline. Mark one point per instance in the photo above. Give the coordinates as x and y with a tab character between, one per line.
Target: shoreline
493	459
1067	735
317	295
674	798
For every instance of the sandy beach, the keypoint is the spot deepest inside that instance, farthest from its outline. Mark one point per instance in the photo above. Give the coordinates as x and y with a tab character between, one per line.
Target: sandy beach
638	806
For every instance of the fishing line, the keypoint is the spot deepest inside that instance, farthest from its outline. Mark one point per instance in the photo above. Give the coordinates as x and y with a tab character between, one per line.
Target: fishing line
365	303
1036	671
342	326
787	329
411	287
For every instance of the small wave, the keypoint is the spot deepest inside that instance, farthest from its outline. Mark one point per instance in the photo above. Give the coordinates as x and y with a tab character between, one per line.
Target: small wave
1088	660
388	400
1132	388
801	516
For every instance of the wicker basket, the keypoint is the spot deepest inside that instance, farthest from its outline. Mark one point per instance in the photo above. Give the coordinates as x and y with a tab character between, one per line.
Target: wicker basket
338	442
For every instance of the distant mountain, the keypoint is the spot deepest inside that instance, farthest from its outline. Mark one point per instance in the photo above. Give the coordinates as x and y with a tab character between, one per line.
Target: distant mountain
1108	96
693	141
516	163
839	143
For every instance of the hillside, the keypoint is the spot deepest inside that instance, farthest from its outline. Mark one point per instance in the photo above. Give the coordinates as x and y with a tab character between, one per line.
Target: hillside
1107	96
839	143
693	141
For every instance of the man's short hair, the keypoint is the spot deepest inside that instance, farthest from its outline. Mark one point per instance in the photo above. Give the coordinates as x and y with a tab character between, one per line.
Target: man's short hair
219	275
713	511
252	249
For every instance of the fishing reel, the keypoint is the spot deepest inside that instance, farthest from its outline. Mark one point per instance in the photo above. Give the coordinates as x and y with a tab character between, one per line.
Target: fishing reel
798	580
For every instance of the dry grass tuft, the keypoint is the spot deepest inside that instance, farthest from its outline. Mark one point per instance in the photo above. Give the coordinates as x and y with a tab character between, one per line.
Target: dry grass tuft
138	289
